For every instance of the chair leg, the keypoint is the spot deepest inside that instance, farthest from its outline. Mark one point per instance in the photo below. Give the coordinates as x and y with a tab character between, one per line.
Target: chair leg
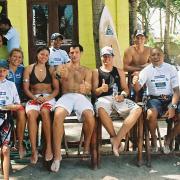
159	137
140	140
99	141
80	142
2	159
94	148
147	143
65	143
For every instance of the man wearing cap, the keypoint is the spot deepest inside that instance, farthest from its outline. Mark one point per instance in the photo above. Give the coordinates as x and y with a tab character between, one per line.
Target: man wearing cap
10	34
111	90
75	82
136	57
57	55
9	101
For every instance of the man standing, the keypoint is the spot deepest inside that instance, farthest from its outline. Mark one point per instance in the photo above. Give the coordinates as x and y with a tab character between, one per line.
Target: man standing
162	90
57	55
136	57
75	81
10	34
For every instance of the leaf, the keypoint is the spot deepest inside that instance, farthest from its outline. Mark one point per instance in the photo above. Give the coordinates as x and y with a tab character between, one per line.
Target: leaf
0	9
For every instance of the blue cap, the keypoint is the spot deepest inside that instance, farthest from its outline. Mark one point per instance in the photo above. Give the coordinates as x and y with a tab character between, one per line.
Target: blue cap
4	64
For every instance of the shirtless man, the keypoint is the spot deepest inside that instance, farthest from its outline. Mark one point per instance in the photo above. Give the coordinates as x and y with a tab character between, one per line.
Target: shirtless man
136	57
75	82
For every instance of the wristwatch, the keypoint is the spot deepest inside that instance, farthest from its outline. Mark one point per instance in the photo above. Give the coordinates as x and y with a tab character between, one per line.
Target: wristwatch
172	106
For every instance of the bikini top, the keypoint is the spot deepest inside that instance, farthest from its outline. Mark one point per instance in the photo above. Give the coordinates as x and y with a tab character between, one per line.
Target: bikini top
34	80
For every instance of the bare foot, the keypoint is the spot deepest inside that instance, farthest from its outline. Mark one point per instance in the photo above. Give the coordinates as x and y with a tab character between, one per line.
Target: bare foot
22	151
34	157
115	147
48	156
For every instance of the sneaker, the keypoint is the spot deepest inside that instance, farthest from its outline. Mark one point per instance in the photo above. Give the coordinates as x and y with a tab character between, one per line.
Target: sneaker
166	149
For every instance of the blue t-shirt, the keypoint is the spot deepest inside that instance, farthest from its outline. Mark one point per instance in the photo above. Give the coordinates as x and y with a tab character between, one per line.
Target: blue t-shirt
17	78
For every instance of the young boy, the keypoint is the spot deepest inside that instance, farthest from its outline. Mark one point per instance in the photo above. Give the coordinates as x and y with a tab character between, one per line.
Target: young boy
57	55
9	101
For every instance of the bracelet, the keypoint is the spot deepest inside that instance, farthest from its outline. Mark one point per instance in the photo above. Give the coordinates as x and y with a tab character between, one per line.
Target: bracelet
25	80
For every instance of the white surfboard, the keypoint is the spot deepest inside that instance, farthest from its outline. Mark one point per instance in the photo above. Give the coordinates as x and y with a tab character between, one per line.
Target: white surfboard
108	36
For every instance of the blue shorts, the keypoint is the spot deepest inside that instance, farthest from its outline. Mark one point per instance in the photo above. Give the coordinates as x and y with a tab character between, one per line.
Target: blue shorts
161	105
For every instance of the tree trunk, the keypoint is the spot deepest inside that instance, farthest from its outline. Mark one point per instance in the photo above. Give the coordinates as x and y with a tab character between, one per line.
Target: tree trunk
166	33
97	6
132	18
160	23
175	19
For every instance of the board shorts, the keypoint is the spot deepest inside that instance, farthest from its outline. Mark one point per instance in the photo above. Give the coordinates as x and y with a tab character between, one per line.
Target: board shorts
123	108
75	102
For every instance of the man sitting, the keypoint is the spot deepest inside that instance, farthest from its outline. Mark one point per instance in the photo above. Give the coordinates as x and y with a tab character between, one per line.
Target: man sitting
162	91
75	82
109	85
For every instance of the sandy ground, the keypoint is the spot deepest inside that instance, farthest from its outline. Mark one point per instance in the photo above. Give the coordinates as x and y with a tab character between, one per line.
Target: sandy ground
112	168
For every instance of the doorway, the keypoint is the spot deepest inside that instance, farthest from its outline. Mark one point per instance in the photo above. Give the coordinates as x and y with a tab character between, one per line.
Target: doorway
49	16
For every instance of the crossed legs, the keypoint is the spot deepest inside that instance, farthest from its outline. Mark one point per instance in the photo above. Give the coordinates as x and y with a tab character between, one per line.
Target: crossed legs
126	127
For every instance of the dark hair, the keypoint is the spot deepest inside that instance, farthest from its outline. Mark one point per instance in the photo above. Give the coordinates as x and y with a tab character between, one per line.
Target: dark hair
75	46
41	48
16	50
5	20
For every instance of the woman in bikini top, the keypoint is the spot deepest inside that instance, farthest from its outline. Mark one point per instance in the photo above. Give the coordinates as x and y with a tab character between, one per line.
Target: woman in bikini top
41	86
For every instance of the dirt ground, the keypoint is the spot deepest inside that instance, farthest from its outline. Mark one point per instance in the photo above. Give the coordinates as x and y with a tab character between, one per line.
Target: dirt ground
112	168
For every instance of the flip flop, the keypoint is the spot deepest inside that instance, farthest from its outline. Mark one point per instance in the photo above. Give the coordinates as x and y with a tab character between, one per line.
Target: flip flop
56	165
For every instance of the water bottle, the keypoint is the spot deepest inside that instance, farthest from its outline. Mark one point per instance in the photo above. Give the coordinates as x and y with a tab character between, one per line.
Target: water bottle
115	89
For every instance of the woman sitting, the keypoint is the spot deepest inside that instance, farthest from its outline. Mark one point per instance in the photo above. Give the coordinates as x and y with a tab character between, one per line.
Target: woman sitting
41	86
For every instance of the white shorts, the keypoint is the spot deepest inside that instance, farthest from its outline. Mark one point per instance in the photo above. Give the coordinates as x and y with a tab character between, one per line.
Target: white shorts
32	105
109	104
76	102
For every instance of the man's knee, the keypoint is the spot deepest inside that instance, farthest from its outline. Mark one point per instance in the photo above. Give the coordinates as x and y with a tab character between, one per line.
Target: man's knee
6	150
88	114
152	114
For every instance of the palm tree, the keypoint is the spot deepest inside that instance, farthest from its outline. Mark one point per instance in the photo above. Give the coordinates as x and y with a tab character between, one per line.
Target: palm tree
166	33
132	18
97	6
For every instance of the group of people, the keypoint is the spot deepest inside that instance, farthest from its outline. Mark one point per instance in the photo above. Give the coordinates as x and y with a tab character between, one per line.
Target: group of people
54	72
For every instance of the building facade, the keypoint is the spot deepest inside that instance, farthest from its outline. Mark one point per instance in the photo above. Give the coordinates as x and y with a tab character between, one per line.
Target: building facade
36	20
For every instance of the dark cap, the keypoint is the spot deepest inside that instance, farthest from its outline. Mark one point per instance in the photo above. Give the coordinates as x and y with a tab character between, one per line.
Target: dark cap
4	64
107	50
139	32
54	36
5	20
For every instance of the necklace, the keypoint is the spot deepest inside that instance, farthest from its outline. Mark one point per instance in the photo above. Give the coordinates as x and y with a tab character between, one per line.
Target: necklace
41	70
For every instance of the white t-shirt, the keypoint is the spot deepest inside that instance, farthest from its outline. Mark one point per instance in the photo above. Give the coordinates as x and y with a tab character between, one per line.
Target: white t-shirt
8	93
58	56
159	80
13	39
